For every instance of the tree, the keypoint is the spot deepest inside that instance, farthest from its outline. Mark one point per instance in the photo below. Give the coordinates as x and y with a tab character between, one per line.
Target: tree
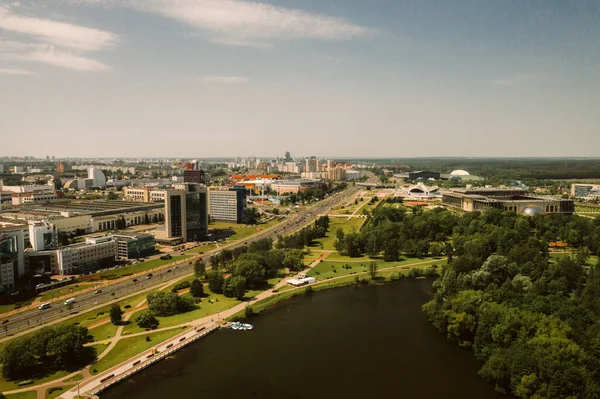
116	314
196	289
250	216
112	196
199	269
146	319
373	270
215	282
168	303
293	260
234	286
252	271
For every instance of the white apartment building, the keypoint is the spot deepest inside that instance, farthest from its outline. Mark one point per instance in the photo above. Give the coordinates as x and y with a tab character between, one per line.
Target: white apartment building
226	205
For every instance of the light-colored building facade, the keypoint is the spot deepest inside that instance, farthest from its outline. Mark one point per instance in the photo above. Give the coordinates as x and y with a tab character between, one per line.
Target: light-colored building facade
43	236
226	205
144	194
38	196
85	257
583	190
519	201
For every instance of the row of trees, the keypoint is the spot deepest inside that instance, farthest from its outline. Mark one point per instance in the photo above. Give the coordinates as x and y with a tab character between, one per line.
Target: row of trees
306	236
51	348
250	267
473	236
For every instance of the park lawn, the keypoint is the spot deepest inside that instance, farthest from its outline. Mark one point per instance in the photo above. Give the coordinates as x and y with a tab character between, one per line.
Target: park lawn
127	348
139	267
347	226
99	349
219	304
12	385
103	331
57	391
327	270
76	377
336	256
23	395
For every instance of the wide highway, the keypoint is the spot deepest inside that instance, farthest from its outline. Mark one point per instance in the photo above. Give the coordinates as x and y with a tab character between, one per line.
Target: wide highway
139	283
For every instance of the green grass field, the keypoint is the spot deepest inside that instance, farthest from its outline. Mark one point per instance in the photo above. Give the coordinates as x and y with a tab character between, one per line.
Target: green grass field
326	269
57	391
23	395
104	331
12	385
205	308
129	347
99	348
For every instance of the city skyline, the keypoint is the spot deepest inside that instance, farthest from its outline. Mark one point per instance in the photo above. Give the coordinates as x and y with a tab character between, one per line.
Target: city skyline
210	79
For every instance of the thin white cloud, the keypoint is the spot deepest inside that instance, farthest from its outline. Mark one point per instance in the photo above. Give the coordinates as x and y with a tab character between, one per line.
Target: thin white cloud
239	22
16	71
51	56
224	79
519	79
58	33
54	43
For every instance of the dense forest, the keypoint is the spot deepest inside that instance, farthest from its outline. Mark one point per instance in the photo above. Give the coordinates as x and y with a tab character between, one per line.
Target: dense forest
534	321
499	168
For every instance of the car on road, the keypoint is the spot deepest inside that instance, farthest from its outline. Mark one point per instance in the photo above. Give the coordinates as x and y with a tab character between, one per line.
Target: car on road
149	276
135	280
44	306
169	271
70	301
4	321
98	292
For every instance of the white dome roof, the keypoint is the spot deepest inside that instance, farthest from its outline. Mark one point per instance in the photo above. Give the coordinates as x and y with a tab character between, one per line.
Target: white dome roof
460	172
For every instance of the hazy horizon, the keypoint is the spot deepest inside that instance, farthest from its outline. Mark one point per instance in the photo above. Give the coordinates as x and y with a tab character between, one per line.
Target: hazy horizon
351	79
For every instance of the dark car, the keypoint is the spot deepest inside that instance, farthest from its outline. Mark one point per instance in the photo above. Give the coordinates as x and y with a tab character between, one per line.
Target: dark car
4	321
169	271
149	275
135	280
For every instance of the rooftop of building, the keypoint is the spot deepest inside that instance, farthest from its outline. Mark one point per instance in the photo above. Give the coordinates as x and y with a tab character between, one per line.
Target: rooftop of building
60	209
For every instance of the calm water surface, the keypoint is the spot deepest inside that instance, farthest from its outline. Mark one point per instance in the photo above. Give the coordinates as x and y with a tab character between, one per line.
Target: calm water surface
367	342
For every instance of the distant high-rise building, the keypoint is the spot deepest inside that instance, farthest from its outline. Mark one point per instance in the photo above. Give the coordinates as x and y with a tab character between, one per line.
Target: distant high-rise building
194	176
60	168
311	164
227	205
288	156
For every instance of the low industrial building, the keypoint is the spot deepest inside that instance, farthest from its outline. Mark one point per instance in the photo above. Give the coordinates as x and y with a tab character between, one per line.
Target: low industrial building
78	217
30	197
95	253
517	200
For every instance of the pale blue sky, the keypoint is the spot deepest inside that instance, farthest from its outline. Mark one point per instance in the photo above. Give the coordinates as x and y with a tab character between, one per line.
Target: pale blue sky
377	78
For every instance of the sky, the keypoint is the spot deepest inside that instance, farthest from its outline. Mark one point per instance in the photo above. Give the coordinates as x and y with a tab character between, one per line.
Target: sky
338	78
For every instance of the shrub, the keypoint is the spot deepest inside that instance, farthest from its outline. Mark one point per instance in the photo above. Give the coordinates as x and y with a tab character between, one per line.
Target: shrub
180	286
147	319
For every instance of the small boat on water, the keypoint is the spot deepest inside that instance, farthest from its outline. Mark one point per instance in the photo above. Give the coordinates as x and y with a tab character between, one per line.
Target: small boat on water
236	325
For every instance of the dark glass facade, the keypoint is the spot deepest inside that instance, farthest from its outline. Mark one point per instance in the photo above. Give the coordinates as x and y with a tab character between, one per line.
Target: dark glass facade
196	215
175	216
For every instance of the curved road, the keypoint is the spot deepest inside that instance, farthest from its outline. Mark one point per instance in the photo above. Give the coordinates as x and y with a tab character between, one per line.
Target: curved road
23	321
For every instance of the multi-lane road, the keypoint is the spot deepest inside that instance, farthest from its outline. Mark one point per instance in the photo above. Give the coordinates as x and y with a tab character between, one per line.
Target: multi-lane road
111	293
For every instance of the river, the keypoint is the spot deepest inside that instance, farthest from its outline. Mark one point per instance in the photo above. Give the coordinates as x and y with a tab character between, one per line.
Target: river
354	342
